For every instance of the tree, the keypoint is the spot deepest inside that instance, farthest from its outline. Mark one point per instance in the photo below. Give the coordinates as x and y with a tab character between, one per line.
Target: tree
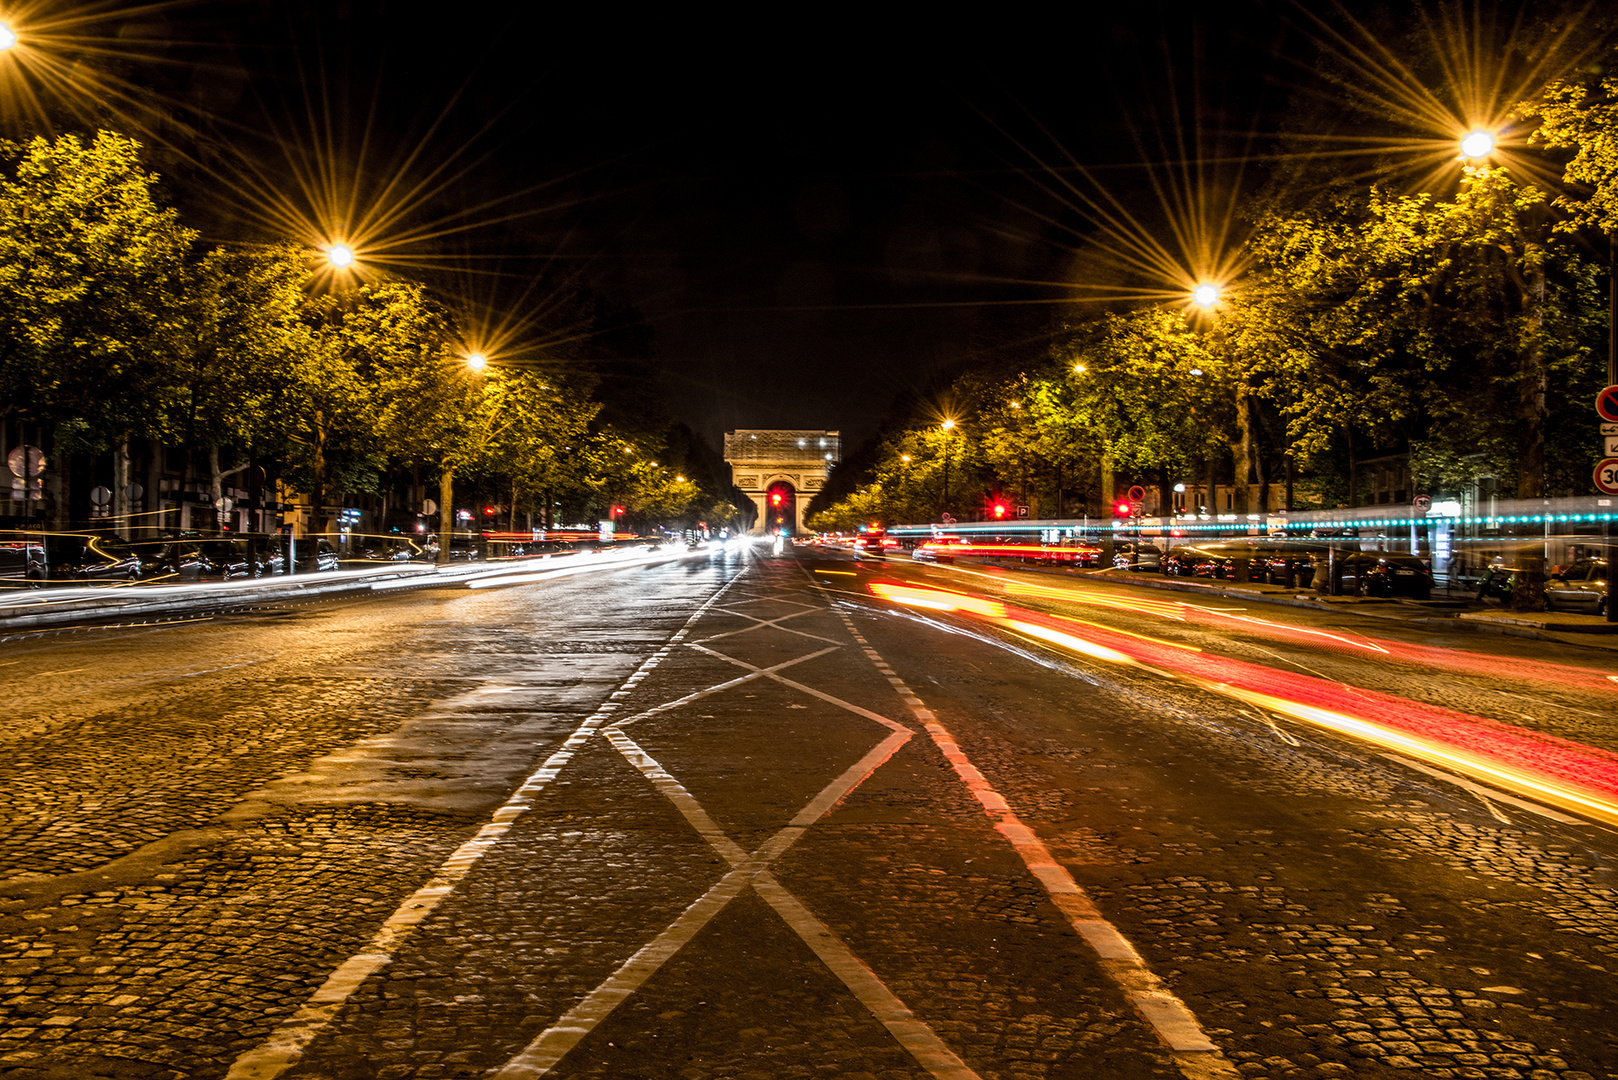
1583	117
92	280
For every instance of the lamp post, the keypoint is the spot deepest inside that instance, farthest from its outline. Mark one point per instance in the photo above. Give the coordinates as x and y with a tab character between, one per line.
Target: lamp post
943	508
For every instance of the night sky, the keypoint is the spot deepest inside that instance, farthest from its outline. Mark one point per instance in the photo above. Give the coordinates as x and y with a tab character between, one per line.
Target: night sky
797	217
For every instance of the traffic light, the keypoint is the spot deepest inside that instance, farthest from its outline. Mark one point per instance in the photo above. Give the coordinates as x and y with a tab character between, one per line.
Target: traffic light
999	511
775	498
488	511
1124	509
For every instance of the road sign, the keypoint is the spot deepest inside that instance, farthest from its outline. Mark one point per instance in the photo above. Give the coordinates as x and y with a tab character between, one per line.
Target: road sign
428	507
1611	442
1022	511
28	462
1136	507
1422	503
1138	493
100	496
1609	429
1607	476
1607	404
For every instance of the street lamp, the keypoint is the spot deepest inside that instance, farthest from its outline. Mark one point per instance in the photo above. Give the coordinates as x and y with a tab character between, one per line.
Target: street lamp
8	36
947	426
1477	144
340	256
477	361
1205	296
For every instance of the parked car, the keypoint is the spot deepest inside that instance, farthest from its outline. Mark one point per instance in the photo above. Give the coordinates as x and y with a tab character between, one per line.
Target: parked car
22	561
317	557
79	557
1382	573
224	560
1581	587
1190	561
1138	556
1294	568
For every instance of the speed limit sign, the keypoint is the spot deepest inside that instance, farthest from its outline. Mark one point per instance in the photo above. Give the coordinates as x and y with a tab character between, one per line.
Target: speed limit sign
1607	476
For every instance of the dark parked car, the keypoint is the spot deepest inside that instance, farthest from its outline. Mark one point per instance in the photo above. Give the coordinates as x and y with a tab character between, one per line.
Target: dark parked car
315	556
1382	573
1581	587
22	561
73	557
1191	561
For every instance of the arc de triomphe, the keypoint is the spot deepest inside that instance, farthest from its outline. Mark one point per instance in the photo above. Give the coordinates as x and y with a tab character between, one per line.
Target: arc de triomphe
798	461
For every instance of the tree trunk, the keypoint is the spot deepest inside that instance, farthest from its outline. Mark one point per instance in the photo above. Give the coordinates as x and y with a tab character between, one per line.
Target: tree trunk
446	513
1353	468
120	489
216	484
1241	449
1109	497
317	477
1531	385
56	485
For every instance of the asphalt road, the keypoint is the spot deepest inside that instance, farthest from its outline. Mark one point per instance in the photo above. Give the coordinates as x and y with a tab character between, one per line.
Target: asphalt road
746	817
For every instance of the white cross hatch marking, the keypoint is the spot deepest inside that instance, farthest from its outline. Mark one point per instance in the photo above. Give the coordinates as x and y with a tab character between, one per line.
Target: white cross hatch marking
747	870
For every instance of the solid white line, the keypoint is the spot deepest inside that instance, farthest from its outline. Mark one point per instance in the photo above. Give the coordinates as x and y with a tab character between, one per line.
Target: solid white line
286	1044
1174	1023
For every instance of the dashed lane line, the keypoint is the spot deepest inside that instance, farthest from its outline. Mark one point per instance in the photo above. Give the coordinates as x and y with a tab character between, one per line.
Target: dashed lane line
1194	1053
285	1045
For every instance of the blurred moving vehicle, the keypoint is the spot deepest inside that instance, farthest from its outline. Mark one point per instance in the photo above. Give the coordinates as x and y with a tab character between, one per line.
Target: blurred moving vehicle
876	543
1581	587
942	549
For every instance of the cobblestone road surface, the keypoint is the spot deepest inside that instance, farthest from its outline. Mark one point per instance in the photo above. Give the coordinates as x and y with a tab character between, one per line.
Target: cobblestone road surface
733	818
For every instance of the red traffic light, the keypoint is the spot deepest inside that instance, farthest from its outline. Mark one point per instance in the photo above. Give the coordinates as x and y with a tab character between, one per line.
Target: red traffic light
775	498
489	511
617	510
999	510
1124	509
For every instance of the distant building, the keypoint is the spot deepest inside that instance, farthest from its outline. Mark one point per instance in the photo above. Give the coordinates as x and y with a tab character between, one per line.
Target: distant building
780	470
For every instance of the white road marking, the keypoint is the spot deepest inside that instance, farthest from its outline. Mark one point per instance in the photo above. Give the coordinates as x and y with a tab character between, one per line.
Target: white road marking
748	870
287	1043
553	1044
1195	1054
1487	793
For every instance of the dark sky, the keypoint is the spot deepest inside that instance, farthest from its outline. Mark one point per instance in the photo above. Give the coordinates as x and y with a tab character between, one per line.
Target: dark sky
812	211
